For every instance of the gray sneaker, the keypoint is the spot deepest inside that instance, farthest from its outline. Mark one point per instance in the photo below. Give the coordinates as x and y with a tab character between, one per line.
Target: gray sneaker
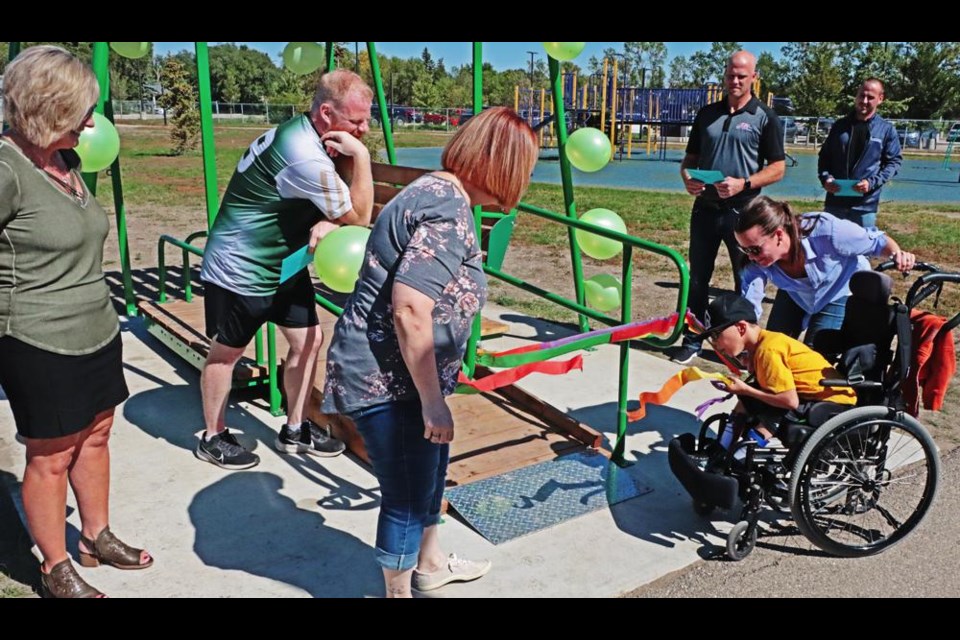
224	451
456	570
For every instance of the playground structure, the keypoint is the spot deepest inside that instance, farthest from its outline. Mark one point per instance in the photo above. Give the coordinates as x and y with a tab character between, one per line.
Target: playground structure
602	101
503	429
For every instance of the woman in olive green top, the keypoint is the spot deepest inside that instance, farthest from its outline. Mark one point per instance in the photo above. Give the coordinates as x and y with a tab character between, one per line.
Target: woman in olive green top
60	348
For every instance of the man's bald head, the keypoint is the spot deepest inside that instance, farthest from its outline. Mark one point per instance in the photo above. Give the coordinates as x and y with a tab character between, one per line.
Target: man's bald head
739	77
743	58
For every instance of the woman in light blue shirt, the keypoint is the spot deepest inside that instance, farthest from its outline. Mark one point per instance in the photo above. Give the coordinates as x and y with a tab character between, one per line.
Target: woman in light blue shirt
810	258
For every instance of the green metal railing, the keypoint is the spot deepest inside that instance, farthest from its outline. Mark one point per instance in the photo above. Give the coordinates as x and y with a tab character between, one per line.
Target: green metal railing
626	308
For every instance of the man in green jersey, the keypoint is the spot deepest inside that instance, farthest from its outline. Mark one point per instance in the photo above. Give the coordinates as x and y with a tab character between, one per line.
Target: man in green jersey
293	185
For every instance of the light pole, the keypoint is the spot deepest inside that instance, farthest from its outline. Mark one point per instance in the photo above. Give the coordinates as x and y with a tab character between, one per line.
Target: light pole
533	54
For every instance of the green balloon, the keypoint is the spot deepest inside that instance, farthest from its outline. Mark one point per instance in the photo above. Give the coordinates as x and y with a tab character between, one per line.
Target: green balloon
564	50
588	149
603	292
303	57
339	256
595	246
98	147
131	49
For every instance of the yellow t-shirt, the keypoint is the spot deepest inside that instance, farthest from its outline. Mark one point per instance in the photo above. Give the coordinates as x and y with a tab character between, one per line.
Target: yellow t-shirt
782	363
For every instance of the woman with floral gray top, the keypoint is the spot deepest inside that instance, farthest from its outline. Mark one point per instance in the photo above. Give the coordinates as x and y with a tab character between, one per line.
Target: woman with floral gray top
398	347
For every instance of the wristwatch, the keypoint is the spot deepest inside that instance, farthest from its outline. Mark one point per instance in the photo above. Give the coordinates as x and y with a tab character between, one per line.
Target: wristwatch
746	184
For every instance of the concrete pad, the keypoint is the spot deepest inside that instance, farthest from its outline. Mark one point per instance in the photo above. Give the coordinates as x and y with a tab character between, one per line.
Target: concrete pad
302	526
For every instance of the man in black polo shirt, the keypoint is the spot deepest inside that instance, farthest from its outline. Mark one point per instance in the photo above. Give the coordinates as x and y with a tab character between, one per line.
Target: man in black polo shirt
741	138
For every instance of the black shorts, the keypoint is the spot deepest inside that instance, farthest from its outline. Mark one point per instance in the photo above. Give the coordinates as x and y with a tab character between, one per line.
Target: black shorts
53	395
233	319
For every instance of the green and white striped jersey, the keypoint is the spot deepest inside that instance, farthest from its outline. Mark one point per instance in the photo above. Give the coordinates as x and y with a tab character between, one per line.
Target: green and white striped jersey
283	185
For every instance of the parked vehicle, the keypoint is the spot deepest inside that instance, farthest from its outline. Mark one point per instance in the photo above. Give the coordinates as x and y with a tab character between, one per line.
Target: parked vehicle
399	115
434	118
789	129
916	138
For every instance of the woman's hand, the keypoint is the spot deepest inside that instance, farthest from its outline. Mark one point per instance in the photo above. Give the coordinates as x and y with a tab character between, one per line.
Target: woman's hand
438	423
904	260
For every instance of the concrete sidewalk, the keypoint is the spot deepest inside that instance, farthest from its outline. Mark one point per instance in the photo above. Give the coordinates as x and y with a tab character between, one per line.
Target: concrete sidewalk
302	526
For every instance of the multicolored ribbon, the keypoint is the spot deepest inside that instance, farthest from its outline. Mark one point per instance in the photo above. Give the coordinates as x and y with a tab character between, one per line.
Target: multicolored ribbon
670	387
522	361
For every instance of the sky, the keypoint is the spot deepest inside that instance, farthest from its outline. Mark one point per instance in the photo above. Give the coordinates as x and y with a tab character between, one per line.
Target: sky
502	55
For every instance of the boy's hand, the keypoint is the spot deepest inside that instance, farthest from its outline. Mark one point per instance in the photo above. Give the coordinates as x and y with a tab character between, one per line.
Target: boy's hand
736	386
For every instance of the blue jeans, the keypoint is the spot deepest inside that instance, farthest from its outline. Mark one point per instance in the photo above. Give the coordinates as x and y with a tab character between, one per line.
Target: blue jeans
787	317
866	219
709	226
411	471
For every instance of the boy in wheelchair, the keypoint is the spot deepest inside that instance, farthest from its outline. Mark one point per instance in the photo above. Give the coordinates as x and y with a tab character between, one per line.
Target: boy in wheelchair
787	373
856	472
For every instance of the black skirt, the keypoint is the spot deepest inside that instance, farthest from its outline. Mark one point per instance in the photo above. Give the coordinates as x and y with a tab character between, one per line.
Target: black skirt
54	395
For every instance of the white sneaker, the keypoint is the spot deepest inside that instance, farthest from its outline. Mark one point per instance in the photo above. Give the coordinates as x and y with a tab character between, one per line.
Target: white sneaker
456	570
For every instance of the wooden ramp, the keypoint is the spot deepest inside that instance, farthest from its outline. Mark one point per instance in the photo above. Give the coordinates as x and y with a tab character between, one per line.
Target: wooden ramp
496	432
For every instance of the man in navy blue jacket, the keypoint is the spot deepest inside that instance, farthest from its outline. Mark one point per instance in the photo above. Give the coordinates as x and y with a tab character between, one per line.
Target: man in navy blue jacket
864	147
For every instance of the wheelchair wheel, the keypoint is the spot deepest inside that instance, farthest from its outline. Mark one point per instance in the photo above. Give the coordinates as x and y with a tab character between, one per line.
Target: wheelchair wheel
741	540
863	481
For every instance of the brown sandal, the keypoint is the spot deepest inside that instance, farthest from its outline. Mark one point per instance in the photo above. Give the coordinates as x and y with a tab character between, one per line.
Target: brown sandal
109	550
63	581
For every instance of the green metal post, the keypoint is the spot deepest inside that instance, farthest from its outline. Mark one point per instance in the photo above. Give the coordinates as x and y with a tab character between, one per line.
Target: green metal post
470	360
258	346
331	60
560	120
121	214
275	397
382	103
206	132
626	313
101	62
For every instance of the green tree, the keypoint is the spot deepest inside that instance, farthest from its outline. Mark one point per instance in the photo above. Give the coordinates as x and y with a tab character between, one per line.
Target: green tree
180	98
815	78
934	72
773	74
645	55
681	73
241	74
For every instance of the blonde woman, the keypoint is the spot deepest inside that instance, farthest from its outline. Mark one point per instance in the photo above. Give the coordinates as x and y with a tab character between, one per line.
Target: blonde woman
60	348
400	342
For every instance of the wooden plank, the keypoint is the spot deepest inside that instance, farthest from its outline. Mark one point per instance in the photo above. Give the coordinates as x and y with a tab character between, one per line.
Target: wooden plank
490	328
382	193
394	174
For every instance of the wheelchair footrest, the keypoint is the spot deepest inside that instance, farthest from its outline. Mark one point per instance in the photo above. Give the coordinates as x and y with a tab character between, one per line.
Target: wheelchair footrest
703	486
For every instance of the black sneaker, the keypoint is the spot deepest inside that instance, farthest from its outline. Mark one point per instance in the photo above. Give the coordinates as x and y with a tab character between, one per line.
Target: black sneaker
318	441
224	451
684	354
288	441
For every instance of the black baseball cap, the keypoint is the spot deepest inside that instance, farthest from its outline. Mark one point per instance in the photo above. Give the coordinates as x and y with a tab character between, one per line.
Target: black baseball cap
726	310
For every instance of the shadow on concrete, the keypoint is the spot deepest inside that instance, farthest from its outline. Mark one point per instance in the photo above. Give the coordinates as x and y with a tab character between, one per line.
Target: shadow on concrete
244	522
17	562
664	516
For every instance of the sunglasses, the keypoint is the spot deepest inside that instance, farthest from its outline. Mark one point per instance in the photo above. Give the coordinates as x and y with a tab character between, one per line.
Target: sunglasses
756	249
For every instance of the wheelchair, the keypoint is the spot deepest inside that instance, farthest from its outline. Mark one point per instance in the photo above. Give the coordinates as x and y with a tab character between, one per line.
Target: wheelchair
855	480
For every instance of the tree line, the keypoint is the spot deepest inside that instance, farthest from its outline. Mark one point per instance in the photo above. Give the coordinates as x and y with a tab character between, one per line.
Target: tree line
821	78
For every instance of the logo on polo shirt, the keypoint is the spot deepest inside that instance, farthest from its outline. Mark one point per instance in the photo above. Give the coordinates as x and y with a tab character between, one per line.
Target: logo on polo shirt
745	126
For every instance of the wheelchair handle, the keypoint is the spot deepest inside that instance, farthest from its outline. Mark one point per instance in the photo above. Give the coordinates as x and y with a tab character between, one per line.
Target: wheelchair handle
918	266
857	383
